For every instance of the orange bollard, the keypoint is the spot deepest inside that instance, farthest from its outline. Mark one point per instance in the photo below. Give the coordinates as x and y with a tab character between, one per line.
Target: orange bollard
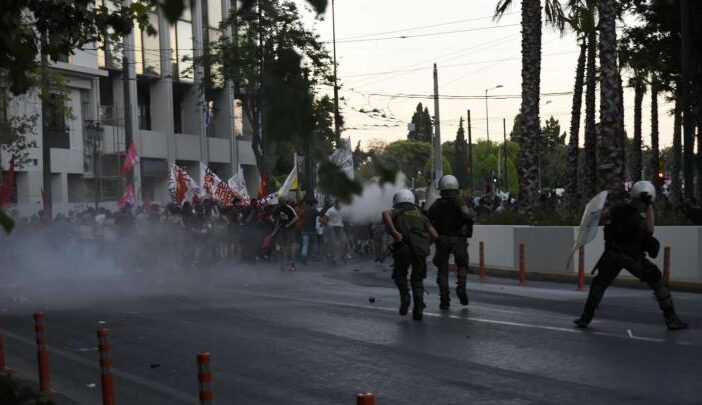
581	268
481	268
3	368
204	377
522	265
42	355
365	399
666	265
108	391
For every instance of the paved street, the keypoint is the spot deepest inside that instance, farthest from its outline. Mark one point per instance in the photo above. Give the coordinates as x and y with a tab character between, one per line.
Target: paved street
314	336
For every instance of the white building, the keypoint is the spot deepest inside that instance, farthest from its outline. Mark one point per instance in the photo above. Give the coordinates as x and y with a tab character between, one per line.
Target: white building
168	111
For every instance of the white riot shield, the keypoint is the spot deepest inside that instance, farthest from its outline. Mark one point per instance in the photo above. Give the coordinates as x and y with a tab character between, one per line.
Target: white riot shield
589	224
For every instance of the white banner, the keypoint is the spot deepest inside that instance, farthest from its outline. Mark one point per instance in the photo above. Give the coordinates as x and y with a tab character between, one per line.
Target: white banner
343	158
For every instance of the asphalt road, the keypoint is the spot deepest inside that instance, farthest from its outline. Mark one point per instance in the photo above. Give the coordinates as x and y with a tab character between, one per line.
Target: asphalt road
314	337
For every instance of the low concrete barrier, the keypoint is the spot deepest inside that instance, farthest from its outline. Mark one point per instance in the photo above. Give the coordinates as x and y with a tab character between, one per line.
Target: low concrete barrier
548	247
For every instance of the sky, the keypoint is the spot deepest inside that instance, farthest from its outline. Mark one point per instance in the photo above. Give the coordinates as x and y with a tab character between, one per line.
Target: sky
473	53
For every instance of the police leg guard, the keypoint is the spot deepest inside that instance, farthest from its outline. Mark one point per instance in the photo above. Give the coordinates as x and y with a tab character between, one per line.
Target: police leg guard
403	288
461	285
418	296
665	302
593	300
442	278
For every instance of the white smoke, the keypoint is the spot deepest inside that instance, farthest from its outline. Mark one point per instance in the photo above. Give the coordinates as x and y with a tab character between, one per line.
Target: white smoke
375	198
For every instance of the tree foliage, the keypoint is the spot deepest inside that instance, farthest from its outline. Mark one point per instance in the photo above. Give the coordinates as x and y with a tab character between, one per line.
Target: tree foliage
421	127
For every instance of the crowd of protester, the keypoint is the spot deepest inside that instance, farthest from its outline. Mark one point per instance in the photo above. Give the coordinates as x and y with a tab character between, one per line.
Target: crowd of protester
205	234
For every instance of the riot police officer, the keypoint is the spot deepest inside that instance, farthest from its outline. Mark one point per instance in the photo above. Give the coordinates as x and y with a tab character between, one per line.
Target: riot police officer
453	221
628	237
413	234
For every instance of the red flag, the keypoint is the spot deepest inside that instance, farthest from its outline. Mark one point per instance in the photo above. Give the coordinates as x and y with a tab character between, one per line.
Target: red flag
48	214
131	159
262	189
7	189
128	197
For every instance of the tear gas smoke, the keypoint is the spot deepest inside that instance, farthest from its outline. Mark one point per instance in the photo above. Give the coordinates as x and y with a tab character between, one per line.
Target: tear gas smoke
374	199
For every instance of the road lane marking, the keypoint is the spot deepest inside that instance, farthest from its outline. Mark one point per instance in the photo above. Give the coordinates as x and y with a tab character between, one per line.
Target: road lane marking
475	319
158	387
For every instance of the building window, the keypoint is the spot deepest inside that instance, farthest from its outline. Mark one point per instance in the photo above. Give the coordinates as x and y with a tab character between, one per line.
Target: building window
55	125
214	13
144	102
109	52
184	50
151	49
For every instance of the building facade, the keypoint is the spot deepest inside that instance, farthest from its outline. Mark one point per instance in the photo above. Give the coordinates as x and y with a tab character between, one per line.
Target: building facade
173	119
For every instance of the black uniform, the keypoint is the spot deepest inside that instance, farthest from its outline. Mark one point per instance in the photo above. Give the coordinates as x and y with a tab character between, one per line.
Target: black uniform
454	227
626	243
412	251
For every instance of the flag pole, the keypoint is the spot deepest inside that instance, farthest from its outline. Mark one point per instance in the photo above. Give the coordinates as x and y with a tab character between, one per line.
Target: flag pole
297	176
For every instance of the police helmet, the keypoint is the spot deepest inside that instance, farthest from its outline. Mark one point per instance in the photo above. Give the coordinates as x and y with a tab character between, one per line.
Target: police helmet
403	196
448	182
641	187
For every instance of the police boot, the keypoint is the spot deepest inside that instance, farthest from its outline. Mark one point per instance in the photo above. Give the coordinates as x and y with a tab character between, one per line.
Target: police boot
442	282
404	295
418	308
665	302
587	315
461	285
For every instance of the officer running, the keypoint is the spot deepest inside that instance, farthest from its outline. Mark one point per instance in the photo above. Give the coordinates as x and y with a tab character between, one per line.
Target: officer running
453	221
413	233
628	236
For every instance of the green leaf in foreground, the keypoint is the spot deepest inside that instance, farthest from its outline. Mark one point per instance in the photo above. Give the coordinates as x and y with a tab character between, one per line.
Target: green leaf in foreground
6	222
333	181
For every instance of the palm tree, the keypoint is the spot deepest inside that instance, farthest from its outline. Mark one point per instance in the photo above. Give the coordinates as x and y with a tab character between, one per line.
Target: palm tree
611	116
531	85
638	83
655	148
582	21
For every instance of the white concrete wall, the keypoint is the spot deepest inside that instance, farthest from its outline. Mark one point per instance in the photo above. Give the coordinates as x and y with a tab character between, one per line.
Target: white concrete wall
547	249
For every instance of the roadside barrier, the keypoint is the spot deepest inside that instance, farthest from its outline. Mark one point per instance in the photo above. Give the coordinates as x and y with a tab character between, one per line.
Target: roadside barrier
481	268
204	377
42	355
666	265
522	265
365	399
581	268
3	368
108	392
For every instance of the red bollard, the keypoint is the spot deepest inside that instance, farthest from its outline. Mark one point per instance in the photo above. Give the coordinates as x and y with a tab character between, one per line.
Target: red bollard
522	265
42	355
581	268
3	368
365	399
108	391
666	265
481	268
204	376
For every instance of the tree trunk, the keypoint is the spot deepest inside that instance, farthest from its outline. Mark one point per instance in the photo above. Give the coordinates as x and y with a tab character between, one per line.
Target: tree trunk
572	187
676	186
637	159
531	76
590	174
655	148
610	164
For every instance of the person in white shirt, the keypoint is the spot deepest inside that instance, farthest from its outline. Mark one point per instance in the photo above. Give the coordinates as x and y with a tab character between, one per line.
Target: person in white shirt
337	236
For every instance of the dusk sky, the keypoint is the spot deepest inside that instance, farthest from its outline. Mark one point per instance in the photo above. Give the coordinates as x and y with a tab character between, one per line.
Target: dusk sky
473	53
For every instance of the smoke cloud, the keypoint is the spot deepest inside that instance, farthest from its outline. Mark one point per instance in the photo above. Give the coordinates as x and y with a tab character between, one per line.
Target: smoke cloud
367	207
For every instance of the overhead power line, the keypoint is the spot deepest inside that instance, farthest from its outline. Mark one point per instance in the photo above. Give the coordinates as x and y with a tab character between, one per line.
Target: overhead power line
460	97
421	27
427	34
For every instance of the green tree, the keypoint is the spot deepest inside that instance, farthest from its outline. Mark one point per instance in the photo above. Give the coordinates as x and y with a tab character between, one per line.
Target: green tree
421	127
275	53
531	76
460	158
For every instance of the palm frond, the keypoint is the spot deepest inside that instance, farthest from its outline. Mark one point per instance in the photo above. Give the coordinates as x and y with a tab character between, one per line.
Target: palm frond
501	9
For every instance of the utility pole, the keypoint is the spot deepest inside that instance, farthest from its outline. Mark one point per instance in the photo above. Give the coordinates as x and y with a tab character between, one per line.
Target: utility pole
506	153
470	156
337	118
128	134
438	163
45	144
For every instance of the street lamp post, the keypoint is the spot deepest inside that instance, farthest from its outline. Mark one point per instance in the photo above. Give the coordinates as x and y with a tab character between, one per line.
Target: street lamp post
487	119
